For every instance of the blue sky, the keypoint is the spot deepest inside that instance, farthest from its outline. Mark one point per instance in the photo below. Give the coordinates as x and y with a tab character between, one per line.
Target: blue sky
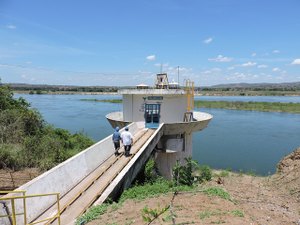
127	42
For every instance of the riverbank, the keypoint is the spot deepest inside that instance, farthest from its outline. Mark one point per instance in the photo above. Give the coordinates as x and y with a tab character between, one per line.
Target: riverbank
234	199
233	105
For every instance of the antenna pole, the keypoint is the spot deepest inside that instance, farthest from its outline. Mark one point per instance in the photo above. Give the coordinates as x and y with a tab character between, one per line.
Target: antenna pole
178	75
161	65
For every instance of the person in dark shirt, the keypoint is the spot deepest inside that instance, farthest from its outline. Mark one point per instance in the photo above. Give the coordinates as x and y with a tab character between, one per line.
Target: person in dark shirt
116	137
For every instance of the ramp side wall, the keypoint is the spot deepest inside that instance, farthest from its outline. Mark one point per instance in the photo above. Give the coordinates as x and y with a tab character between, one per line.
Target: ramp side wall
66	175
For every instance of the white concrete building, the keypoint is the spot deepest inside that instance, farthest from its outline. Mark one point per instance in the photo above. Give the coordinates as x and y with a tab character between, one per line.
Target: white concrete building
168	105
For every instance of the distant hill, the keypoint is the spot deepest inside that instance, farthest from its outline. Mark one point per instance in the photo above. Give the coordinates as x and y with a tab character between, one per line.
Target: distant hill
238	88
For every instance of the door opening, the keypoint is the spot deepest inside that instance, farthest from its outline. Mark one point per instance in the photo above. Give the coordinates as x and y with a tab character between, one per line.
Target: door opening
152	115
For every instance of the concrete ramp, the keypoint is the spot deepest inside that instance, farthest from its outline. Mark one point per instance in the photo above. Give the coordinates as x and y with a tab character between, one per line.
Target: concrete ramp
107	179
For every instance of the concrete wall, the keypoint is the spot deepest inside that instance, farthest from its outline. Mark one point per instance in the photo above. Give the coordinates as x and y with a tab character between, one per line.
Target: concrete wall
173	107
67	174
4	220
175	150
128	108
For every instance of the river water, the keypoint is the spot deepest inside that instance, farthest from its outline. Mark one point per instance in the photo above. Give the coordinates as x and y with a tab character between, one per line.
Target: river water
239	140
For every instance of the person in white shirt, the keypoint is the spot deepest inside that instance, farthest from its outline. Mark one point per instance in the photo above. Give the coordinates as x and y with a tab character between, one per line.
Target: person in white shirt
127	140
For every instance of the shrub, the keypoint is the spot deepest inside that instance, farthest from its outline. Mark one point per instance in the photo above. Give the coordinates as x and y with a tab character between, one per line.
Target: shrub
183	174
10	157
11	127
205	173
150	172
41	145
190	173
216	191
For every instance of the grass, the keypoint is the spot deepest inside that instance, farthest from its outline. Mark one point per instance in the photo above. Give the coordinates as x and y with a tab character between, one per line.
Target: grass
102	100
141	192
148	190
219	192
93	213
224	173
209	213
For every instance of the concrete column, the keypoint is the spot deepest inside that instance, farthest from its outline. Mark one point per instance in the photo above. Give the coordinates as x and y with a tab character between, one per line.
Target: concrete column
171	149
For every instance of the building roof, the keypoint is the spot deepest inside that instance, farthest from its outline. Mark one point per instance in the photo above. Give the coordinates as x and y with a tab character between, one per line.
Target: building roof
152	91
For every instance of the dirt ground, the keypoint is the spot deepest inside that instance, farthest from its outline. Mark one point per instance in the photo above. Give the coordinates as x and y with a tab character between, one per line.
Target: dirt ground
273	200
9	179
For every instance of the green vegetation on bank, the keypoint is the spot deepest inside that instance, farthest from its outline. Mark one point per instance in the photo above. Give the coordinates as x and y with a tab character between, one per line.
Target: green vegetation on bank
53	89
236	105
26	140
102	100
257	106
258	89
247	92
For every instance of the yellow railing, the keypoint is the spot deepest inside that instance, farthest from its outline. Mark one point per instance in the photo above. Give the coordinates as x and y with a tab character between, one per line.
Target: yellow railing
189	88
13	215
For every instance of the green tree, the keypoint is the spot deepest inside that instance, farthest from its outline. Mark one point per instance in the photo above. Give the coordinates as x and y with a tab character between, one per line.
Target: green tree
27	140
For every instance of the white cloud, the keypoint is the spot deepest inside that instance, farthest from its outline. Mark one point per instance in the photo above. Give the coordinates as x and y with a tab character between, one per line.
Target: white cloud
296	62
275	51
276	69
212	70
221	58
150	57
208	40
231	68
253	54
262	66
248	64
10	26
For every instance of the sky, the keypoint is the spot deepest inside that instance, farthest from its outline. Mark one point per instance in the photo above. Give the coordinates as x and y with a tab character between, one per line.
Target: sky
121	43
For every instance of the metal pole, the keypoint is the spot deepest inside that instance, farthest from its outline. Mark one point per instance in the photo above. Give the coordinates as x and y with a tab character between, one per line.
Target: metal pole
13	211
24	206
178	75
58	209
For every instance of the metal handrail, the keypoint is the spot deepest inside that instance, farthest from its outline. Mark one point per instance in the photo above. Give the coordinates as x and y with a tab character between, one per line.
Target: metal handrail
189	88
13	219
13	215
